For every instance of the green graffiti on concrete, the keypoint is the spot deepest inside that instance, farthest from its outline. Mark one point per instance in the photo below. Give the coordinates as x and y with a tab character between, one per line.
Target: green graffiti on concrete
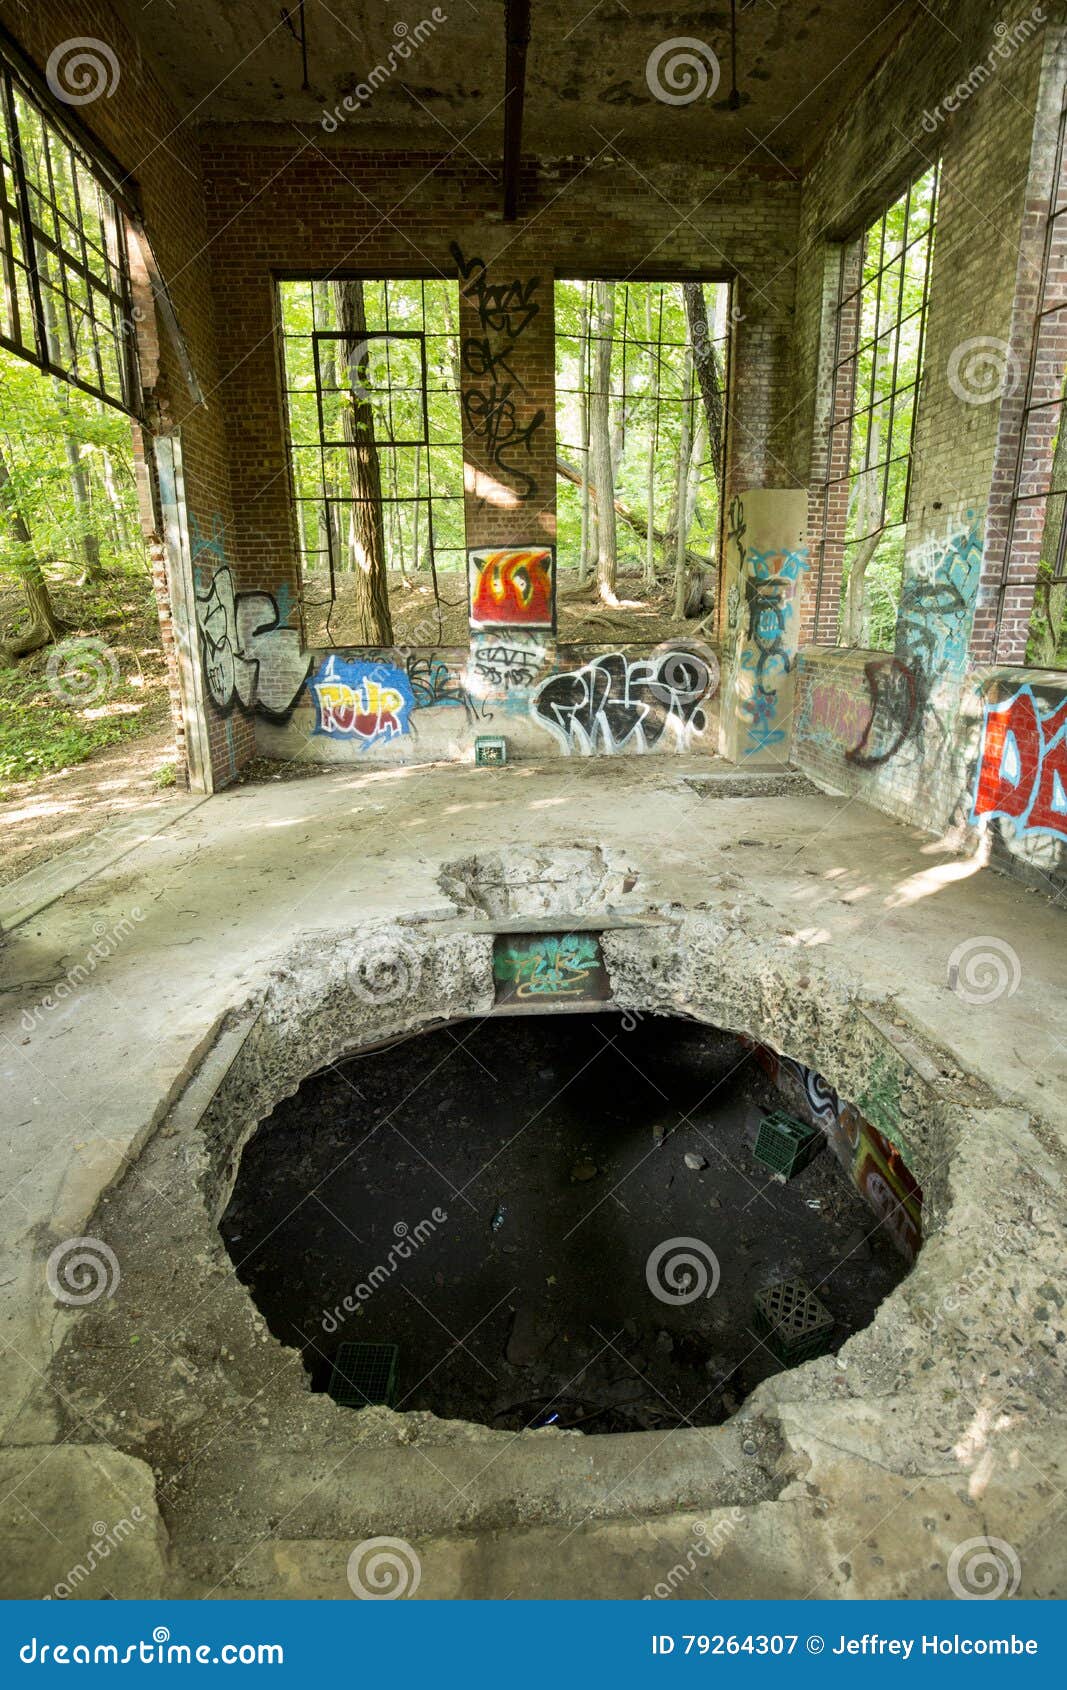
547	966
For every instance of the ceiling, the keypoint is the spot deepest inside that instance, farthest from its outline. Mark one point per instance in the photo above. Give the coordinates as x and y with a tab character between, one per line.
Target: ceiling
589	70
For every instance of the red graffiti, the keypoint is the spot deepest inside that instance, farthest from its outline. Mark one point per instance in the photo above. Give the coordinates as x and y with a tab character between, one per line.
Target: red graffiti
511	589
1022	771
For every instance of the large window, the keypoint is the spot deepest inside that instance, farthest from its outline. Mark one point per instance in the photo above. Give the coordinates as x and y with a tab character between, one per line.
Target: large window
371	375
64	287
1036	560
880	328
641	376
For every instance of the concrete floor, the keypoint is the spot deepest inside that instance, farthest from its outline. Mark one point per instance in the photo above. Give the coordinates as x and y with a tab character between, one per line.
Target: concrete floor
870	1475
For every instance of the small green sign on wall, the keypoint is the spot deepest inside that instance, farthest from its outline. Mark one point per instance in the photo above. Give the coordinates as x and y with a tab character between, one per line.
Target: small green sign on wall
540	968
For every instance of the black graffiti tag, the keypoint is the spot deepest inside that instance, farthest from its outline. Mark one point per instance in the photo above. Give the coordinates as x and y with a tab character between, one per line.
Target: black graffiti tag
505	312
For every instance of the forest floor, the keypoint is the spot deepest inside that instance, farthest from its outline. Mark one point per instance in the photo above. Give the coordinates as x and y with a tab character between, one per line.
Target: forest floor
85	728
581	619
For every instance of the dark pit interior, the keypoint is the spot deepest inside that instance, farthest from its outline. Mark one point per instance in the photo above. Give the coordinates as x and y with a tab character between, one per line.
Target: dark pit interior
487	1197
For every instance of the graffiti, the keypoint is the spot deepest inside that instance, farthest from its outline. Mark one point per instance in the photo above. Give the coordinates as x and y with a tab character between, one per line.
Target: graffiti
504	664
874	1164
893	700
511	587
880	1102
369	702
831	714
432	682
544	965
769	590
933	630
617	703
505	311
250	657
1022	766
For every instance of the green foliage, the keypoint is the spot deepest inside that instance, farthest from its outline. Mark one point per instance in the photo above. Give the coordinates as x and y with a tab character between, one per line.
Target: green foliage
421	454
36	737
649	389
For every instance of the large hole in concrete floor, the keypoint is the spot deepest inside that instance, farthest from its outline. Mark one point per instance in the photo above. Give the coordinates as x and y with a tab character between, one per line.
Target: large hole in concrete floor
487	1197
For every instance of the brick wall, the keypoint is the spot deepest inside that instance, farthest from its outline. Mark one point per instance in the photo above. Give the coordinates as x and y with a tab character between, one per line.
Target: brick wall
285	204
155	142
904	730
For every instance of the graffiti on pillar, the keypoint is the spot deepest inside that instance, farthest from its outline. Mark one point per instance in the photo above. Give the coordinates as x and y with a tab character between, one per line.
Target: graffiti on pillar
893	693
492	397
511	587
542	967
500	664
1022	766
370	703
251	658
616	703
770	587
875	1164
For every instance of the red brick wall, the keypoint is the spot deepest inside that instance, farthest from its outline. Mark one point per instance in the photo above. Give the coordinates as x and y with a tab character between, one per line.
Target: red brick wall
280	204
156	143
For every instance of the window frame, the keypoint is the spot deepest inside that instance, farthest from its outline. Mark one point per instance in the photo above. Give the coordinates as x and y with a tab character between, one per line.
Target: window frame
1056	213
19	83
853	250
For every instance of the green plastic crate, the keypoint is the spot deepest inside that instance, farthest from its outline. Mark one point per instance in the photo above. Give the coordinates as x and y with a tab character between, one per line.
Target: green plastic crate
794	1323
364	1374
490	751
785	1145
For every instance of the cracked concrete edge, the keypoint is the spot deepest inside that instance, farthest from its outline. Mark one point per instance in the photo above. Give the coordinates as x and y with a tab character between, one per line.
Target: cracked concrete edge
22	899
101	1162
106	1536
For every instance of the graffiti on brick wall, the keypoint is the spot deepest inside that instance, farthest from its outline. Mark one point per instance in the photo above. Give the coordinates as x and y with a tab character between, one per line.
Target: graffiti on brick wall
616	703
505	664
771	583
873	1161
494	393
542	967
1022	766
511	587
933	629
831	714
433	683
370	703
250	657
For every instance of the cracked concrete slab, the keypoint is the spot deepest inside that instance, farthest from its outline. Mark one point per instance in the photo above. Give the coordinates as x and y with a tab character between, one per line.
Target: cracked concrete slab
256	954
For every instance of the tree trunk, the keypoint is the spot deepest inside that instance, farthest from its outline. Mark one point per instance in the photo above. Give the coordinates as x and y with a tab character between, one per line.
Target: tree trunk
366	531
684	449
79	486
45	625
583	389
607	561
653	430
662	536
709	376
855	620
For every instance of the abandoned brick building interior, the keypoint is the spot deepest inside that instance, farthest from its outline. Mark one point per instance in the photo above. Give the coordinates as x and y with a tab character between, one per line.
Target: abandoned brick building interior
599	473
